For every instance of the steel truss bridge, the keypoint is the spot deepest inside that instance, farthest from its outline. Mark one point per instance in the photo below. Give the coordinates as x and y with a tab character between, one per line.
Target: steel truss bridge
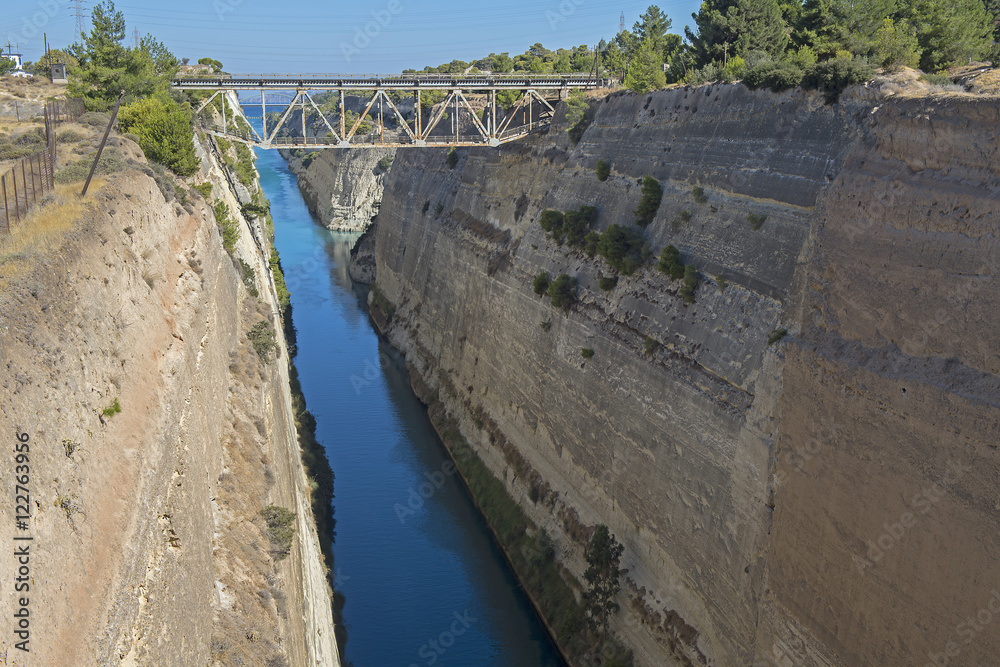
531	112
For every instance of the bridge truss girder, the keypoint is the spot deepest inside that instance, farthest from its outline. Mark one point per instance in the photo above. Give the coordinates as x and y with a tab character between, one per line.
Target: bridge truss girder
493	129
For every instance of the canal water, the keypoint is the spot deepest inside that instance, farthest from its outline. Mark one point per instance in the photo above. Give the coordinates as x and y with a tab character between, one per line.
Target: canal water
424	582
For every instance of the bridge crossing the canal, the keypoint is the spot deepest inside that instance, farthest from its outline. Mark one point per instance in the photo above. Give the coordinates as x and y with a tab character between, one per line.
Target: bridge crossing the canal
394	113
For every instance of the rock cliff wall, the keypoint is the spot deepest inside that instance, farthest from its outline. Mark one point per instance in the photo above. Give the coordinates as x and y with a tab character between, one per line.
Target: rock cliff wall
148	546
745	479
342	187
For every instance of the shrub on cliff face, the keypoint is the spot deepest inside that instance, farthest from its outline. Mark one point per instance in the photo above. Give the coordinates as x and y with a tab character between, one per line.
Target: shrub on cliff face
452	158
562	291
262	338
670	263
603	556
625	249
652	193
541	283
603	170
777	76
608	283
691	280
229	227
164	132
833	76
280	529
570	227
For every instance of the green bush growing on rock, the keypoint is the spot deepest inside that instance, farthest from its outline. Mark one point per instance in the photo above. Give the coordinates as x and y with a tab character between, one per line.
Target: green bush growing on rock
721	281
625	249
603	170
699	195
691	280
590	242
262	338
831	77
552	221
229	227
113	408
452	158
249	278
670	263
777	76
577	223
562	291
164	132
570	227
608	283
280	529
284	296
541	283
652	193
204	189
776	335
756	220
650	345
586	352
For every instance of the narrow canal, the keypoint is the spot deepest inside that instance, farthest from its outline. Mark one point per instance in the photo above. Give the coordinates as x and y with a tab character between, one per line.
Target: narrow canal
424	582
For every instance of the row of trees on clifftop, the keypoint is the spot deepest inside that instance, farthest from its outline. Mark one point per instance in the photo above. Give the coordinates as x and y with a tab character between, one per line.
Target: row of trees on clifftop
731	37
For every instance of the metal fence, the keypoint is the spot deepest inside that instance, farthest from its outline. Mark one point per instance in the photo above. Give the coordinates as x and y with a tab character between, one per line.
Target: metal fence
33	176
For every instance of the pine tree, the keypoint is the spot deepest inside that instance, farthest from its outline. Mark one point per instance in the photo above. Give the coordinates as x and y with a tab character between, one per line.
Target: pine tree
949	32
737	27
646	71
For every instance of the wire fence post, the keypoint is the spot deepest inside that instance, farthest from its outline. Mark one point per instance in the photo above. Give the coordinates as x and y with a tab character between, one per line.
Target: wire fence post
100	149
6	211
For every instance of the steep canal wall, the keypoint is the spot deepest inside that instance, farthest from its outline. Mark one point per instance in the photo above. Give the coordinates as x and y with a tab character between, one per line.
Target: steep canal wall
750	447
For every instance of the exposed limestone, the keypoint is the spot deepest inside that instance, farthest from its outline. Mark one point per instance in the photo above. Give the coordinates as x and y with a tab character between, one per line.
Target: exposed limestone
342	187
149	547
362	264
744	479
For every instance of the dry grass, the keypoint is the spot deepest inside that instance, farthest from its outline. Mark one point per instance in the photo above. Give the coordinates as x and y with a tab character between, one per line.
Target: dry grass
43	230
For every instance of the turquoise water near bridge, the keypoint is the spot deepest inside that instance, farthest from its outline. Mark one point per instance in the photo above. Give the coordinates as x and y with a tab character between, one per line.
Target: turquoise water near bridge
425	584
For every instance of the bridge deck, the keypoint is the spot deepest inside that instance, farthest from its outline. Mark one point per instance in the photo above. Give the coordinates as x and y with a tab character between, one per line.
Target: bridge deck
470	82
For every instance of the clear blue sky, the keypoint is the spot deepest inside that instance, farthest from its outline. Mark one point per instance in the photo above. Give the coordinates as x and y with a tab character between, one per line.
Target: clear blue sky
317	36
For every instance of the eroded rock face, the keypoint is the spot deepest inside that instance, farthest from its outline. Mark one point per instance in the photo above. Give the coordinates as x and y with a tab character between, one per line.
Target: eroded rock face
343	187
745	479
147	535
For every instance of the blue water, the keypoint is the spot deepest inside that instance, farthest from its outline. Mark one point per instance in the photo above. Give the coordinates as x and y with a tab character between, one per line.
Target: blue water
424	582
